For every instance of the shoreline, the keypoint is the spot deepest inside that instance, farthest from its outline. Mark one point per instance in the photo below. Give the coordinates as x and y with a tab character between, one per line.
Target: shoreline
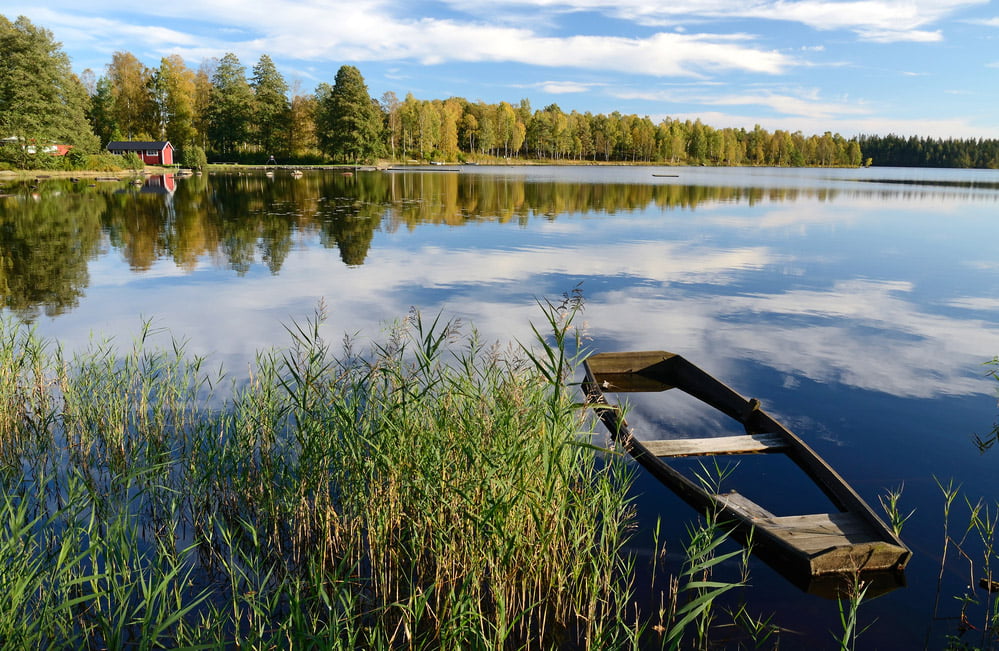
380	165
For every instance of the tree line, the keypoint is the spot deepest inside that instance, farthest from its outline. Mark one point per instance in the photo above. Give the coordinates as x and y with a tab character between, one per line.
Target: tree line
241	115
897	151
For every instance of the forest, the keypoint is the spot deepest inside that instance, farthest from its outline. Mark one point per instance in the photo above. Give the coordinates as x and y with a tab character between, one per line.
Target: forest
223	112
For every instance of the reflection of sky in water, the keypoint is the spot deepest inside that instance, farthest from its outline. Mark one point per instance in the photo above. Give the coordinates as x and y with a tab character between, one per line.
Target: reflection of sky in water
861	319
850	294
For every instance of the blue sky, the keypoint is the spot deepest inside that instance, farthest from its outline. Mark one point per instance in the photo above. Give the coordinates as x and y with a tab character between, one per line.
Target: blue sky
923	67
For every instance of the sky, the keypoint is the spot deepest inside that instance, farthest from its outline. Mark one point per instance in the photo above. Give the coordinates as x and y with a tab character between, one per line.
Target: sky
908	67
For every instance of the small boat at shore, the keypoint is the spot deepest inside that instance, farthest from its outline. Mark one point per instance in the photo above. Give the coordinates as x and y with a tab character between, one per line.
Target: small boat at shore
848	539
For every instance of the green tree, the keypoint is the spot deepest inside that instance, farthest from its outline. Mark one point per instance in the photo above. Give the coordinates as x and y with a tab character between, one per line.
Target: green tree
451	111
231	107
606	134
429	128
203	99
391	108
485	126
41	100
194	157
351	123
101	113
697	144
271	106
175	97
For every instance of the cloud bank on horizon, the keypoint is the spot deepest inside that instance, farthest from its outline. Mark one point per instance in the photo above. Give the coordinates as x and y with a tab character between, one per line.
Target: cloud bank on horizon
910	67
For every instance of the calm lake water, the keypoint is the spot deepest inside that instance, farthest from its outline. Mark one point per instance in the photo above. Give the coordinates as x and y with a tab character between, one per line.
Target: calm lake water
858	305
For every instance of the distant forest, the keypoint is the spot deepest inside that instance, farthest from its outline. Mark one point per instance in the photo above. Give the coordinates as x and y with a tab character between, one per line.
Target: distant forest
896	151
235	115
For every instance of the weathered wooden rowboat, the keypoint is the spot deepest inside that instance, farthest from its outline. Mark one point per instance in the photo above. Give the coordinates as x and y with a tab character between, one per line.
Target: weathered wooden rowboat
849	540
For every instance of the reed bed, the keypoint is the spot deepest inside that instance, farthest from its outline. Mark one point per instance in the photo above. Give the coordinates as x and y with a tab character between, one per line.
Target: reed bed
428	492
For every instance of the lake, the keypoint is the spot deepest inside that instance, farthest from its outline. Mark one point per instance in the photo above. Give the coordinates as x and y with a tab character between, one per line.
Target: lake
858	305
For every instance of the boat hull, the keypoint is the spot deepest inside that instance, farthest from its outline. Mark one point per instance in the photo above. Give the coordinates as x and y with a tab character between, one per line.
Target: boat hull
848	540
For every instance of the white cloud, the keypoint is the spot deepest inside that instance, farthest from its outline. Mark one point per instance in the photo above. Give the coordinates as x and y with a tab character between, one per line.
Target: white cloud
875	20
344	31
812	334
805	103
308	38
564	87
976	303
988	22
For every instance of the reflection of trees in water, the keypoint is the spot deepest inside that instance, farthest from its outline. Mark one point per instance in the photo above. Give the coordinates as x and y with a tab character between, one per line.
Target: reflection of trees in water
454	199
46	239
134	222
351	209
239	220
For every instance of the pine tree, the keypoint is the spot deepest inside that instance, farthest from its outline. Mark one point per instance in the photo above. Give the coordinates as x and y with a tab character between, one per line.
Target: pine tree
101	114
350	124
271	107
231	108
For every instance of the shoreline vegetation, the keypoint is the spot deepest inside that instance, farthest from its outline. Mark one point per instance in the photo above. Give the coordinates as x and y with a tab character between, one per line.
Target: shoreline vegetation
223	112
379	165
425	492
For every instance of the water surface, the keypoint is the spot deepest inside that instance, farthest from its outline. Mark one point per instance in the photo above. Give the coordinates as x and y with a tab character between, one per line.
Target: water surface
858	305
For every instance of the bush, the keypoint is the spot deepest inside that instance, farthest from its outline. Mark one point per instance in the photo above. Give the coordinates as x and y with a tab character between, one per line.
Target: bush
75	159
103	163
132	161
194	157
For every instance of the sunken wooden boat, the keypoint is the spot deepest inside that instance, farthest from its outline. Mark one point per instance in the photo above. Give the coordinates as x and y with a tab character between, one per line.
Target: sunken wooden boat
848	540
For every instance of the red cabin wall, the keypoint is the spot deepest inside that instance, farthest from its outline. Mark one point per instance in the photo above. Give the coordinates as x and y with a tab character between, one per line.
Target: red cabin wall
163	157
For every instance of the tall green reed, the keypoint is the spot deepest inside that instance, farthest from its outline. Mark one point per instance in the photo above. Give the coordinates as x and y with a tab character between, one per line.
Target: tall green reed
433	491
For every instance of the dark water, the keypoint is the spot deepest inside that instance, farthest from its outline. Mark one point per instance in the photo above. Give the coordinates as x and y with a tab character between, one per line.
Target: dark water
858	305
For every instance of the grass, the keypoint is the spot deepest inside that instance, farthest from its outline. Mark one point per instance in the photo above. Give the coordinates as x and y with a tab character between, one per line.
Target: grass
975	550
432	492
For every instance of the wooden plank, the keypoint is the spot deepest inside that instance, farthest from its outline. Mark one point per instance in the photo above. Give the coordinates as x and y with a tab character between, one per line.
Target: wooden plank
741	444
817	532
624	363
744	506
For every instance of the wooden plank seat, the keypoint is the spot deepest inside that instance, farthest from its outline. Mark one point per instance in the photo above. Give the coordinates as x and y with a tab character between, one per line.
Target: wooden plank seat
741	444
819	531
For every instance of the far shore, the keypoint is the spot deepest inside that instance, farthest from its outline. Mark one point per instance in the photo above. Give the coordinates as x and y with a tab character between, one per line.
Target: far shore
381	164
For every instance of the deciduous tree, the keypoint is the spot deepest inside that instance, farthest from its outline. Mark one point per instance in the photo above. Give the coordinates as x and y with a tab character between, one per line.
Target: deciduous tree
41	100
133	109
175	98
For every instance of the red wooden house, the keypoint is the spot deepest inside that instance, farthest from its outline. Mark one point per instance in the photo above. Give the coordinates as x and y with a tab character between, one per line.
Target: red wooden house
152	153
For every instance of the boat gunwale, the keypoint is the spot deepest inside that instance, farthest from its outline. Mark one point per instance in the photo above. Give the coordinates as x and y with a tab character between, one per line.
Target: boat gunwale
662	370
